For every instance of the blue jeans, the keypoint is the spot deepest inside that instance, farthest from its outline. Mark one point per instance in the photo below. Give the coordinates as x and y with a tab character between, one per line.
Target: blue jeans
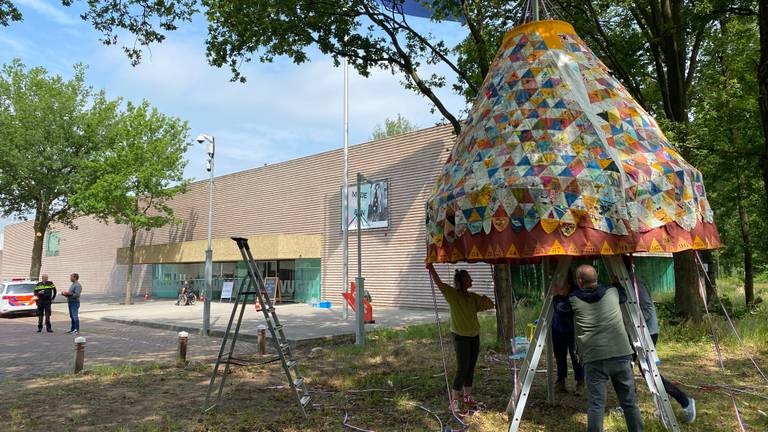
73	309
619	371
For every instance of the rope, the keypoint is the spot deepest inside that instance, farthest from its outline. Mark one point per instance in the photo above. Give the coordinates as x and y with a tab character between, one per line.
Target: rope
702	293
346	417
728	317
442	355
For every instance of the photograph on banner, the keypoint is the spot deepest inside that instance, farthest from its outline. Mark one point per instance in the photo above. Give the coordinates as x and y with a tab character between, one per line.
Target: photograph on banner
374	203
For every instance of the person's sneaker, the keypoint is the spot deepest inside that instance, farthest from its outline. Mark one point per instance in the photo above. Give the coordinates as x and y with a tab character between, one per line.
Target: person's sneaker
49	330
71	331
690	411
39	330
75	332
560	387
579	390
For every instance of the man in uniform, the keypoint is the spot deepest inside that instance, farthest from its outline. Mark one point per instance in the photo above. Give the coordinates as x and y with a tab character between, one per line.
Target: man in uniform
45	292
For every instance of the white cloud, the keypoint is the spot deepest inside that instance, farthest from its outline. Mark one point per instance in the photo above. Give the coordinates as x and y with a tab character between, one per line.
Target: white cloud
282	112
54	12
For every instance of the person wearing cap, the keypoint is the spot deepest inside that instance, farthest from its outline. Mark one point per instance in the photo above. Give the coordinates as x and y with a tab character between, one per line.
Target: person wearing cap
45	293
464	306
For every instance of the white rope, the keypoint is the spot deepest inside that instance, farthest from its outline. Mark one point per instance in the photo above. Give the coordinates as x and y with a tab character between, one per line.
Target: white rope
442	354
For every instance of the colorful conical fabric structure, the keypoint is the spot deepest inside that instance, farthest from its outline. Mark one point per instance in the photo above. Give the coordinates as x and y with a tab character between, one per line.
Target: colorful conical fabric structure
556	158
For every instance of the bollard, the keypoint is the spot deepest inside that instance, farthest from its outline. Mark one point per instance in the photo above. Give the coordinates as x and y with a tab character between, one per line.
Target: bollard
181	357
79	353
261	338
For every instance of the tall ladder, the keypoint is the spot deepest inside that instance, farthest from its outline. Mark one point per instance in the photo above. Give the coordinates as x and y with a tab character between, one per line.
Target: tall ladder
254	285
636	329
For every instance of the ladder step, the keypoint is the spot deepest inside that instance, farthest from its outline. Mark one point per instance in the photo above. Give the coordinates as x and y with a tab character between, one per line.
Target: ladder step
285	347
305	400
290	364
298	382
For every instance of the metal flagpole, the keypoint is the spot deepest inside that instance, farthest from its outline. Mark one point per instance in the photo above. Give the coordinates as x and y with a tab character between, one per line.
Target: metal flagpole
359	280
345	192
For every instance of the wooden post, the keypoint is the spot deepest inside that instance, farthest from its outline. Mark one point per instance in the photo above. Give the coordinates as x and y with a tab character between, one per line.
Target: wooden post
181	357
79	353
261	338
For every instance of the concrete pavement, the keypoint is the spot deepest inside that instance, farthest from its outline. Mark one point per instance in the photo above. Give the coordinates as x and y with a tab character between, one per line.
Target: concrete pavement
302	322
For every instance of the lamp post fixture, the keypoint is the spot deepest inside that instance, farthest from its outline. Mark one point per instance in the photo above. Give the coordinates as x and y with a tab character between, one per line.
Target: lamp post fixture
208	252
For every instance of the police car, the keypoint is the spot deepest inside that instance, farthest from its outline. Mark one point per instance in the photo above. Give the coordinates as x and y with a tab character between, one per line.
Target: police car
17	296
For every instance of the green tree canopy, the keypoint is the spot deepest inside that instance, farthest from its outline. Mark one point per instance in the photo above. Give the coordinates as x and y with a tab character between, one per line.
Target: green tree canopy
52	128
136	177
393	127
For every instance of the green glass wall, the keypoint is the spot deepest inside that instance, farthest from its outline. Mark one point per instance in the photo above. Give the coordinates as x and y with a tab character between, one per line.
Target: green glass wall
658	274
307	280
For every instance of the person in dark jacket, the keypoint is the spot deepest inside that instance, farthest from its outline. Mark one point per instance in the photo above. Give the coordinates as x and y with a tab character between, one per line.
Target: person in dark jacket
604	349
45	293
563	338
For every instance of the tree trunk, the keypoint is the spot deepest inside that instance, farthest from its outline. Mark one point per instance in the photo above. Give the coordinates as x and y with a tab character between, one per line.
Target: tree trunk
40	226
131	252
686	286
505	304
749	278
762	84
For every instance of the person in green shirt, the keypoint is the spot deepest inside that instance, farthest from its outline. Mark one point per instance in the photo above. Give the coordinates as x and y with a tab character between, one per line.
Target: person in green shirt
464	306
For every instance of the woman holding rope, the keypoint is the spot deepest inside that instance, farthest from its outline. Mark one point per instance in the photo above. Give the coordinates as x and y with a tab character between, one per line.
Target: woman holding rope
464	306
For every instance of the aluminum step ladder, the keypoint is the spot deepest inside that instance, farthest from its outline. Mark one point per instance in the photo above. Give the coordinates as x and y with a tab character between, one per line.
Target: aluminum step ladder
638	334
253	285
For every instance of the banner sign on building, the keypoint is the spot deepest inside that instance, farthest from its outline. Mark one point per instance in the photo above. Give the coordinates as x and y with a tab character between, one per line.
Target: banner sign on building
374	203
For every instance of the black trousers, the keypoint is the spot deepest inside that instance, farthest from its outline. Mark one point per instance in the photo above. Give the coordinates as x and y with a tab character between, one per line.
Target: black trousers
44	309
467	349
564	344
672	389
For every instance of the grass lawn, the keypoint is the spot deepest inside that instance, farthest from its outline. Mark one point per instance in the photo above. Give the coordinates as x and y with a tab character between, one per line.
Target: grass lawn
383	385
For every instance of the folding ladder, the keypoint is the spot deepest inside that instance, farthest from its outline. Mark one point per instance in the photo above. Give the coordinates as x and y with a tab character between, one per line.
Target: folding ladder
254	285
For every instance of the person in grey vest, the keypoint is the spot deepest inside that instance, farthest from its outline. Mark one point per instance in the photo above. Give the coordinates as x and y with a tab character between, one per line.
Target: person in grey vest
73	301
603	347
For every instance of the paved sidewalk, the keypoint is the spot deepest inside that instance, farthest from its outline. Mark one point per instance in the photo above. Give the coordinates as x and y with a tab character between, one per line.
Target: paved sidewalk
302	322
26	353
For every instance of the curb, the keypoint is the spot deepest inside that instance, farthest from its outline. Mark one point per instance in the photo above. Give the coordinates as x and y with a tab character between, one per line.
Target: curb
220	333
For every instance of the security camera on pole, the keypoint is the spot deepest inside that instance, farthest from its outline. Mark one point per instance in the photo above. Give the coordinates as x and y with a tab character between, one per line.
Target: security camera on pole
208	252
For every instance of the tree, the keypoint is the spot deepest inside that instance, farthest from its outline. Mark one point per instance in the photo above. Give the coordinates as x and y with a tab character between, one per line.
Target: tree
762	82
139	175
653	46
398	126
8	13
725	140
51	128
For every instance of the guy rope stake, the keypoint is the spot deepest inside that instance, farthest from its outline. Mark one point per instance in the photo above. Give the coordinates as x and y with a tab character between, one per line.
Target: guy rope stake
181	357
79	354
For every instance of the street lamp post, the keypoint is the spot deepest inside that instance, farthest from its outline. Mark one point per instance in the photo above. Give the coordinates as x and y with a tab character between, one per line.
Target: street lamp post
208	252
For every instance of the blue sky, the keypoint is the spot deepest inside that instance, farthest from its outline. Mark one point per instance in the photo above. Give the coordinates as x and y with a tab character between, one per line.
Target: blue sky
284	111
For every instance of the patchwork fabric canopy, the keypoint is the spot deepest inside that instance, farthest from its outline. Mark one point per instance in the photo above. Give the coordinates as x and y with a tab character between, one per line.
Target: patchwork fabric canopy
556	158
